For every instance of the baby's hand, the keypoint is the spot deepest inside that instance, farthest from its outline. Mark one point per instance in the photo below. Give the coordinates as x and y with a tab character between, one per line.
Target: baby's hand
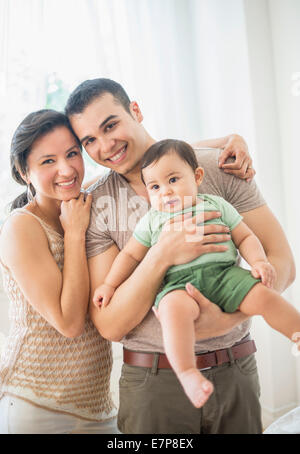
266	272
103	295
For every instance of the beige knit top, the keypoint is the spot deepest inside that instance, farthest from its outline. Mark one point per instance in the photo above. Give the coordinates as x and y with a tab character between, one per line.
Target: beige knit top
40	365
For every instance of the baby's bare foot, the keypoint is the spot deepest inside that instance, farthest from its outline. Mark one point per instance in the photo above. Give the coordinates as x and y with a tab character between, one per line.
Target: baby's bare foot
196	386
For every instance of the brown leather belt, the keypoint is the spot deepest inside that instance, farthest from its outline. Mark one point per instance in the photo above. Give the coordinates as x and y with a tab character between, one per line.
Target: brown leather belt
203	361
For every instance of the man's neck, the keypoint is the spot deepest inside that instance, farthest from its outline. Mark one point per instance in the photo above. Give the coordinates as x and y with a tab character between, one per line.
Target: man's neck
134	176
135	181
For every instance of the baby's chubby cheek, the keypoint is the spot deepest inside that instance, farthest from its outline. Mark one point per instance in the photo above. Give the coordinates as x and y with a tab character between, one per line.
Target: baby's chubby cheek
155	202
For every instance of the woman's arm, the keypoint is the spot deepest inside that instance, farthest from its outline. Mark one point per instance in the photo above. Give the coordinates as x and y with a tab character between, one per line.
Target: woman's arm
60	297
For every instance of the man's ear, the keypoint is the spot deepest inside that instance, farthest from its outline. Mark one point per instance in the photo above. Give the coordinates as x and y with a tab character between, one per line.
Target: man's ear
136	111
199	174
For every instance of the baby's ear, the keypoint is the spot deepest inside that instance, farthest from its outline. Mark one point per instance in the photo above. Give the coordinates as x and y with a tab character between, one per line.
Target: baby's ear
199	174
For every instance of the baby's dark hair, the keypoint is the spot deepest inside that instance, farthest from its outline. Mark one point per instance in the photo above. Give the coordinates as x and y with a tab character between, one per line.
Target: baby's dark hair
163	147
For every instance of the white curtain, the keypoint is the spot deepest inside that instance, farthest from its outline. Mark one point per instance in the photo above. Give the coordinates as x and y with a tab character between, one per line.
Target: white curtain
21	77
199	69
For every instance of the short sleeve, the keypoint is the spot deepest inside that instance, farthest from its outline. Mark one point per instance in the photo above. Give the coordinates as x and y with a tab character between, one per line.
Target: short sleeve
242	195
230	216
142	231
98	237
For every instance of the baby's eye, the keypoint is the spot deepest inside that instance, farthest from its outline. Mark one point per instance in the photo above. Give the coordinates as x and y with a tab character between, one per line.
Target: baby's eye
155	187
173	180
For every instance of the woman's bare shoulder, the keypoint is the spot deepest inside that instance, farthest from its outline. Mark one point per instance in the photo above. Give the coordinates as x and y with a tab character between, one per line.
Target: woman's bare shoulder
21	232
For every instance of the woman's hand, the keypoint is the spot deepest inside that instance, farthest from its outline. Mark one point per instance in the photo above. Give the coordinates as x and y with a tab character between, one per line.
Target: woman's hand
241	167
75	214
184	238
212	321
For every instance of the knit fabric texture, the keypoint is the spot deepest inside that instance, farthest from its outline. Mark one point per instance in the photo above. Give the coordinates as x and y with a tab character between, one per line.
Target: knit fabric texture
42	366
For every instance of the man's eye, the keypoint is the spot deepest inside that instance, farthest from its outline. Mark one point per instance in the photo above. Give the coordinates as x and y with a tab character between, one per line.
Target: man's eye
89	141
110	126
72	154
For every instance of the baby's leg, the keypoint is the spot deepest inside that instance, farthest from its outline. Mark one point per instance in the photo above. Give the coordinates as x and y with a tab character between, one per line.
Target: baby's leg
277	312
177	312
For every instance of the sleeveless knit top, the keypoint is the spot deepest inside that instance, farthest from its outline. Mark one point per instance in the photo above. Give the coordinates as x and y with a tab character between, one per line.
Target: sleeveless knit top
40	365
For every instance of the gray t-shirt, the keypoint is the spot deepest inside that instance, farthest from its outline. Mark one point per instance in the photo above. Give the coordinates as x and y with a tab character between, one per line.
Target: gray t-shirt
116	209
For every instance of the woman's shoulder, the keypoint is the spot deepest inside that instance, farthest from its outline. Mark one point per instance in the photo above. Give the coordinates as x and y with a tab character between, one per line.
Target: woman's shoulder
21	230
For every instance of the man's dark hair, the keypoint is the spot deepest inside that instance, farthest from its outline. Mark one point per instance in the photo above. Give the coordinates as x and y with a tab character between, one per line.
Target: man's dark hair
89	90
163	147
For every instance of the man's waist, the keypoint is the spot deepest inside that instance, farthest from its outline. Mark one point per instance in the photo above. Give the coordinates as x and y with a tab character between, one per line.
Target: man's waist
207	360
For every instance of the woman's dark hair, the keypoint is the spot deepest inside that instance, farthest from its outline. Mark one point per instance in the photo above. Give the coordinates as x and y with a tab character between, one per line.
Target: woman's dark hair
33	127
163	147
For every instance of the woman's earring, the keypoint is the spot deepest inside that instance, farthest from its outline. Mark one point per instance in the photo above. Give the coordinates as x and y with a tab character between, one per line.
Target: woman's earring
30	196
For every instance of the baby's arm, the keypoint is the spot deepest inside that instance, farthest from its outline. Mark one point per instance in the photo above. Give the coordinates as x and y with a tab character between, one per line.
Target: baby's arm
124	264
252	251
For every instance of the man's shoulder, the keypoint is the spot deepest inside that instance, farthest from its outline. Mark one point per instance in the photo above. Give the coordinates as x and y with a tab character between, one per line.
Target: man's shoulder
207	157
107	184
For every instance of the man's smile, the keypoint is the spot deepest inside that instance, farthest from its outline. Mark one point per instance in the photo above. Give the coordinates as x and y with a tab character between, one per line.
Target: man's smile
118	156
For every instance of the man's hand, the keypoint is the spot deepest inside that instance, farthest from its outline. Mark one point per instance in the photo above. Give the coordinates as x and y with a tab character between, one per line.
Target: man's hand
184	237
237	148
212	322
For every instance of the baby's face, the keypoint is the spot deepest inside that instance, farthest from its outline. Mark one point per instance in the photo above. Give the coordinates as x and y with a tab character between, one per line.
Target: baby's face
171	183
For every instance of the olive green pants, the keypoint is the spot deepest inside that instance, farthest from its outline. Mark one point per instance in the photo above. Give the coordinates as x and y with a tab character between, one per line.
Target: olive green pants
152	401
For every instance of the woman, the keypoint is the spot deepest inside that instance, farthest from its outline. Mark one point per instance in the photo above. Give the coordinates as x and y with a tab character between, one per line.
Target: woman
55	367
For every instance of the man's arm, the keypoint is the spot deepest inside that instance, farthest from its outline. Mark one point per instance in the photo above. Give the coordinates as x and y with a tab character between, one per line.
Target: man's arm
270	233
234	146
212	322
132	300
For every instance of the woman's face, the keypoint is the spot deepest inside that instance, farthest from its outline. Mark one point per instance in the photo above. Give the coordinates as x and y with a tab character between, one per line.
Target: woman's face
55	166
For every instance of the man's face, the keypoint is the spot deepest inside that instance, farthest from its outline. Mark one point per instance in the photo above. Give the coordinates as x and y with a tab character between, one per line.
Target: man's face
111	136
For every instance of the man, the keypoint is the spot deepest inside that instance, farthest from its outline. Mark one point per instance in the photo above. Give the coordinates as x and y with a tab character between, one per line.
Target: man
110	128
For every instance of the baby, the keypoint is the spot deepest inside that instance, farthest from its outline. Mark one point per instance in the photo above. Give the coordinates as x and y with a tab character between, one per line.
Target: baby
172	176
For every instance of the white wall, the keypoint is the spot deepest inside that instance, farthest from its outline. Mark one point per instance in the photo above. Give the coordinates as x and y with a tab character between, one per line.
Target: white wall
273	34
236	62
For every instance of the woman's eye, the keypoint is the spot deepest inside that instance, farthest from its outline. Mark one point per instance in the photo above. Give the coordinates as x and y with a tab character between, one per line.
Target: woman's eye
47	161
